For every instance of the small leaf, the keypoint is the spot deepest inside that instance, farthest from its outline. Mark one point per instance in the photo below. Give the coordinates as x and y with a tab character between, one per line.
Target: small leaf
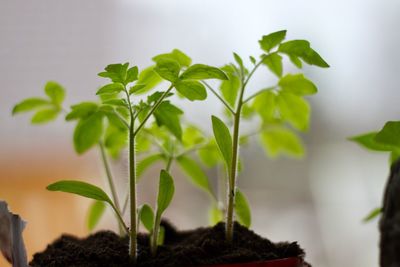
147	162
82	110
176	55
161	236
223	138
136	88
45	115
265	105
296	61
132	75
116	72
242	209
202	72
112	88
302	49
29	104
95	213
313	58
168	115
215	215
279	140
368	141
295	110
55	92
148	77
239	61
210	154
389	134
88	133
168	69
230	88
253	60
192	90
271	40
297	84
146	216
80	188
274	63
195	173
165	192
372	214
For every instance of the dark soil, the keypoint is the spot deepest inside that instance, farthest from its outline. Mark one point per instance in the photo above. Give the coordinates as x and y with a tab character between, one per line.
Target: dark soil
202	246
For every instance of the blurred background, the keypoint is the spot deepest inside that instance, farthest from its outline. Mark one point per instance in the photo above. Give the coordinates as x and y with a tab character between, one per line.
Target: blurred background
319	201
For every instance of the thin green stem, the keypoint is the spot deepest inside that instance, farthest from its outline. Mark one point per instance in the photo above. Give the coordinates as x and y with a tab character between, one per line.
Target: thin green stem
219	97
110	182
156	229
120	220
258	93
153	109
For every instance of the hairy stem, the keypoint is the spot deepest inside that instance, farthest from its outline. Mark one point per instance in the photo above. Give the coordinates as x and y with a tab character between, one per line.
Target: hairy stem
132	193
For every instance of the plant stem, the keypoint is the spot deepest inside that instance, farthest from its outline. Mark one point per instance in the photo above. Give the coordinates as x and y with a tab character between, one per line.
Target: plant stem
132	192
111	183
233	167
219	97
156	229
258	93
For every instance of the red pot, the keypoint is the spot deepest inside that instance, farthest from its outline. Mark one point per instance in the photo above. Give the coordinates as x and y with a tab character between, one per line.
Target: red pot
288	262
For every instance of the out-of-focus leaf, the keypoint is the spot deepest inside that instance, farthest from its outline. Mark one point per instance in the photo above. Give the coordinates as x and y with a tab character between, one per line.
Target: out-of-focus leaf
30	104
223	138
88	132
147	162
195	173
202	72
242	209
274	63
372	214
271	40
297	84
166	191
176	55
389	134
215	215
192	90
96	211
295	110
55	92
279	140
168	69
45	115
146	216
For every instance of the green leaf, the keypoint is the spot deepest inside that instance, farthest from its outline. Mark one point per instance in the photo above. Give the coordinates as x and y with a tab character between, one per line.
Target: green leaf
55	92
132	75
271	40
210	154
148	77
136	88
313	58
301	49
195	173
192	90
368	141
192	136
146	216
202	72
296	61
295	110
80	188
372	214
82	110
389	134
45	115
242	209
230	88
88	133
239	61
176	55
29	104
161	236
165	192
253	60
274	63
96	211
116	102
265	105
112	88
168	115
223	138
297	84
147	162
115	140
394	156
168	69
279	140
215	215
116	72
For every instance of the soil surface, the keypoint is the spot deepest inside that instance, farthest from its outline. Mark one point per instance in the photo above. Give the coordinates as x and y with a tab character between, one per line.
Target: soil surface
199	247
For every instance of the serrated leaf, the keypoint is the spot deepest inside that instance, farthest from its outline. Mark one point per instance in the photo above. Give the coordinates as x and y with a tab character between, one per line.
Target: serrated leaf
132	74
168	69
55	92
230	88
148	77
166	191
82	110
297	84
147	162
30	104
195	173
96	211
242	209
265	105
295	110
203	72
223	138
302	49
112	88
116	72
239	61
389	134
274	63
313	58
279	140
168	115
88	132
146	216
176	55
215	215
271	40
372	214
44	116
368	141
80	188
136	88
192	90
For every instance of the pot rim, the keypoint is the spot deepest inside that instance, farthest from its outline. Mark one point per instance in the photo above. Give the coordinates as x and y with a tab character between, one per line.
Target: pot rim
285	262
